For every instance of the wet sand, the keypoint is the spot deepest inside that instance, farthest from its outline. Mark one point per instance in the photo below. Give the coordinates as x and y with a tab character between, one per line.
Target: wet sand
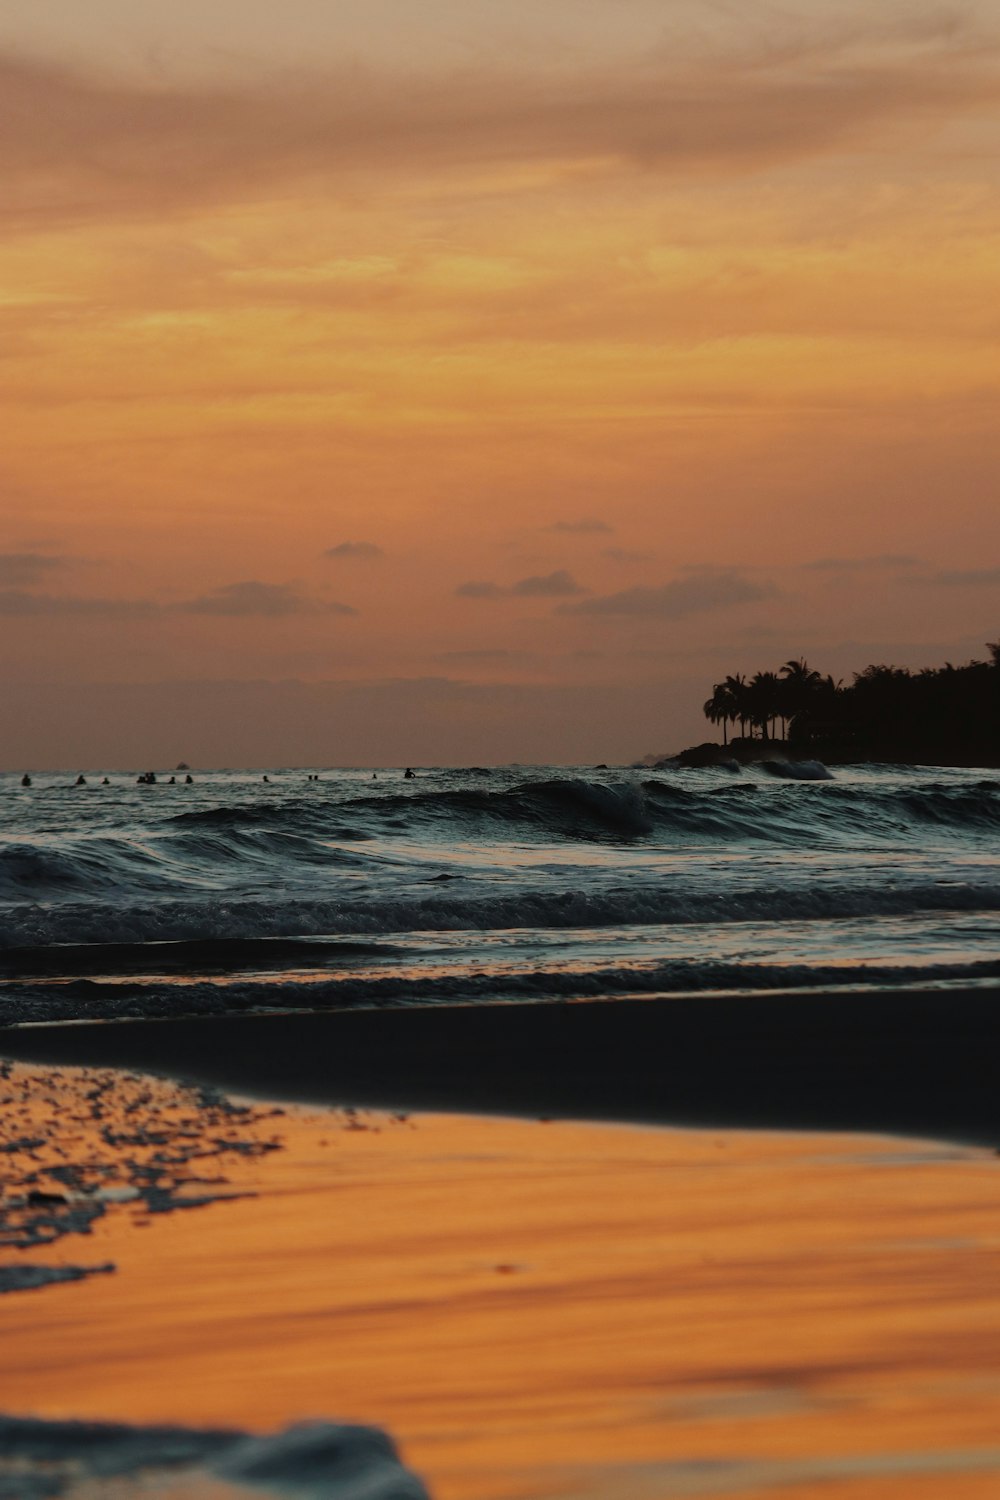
552	1310
561	1310
918	1062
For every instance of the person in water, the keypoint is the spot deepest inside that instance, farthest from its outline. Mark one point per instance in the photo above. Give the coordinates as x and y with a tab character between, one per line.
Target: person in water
189	781
106	782
409	774
25	779
80	781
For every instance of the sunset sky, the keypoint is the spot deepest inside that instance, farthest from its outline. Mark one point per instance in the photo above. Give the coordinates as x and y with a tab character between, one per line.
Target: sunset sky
456	381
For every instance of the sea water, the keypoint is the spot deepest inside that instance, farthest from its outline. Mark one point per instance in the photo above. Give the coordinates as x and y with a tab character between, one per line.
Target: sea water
488	885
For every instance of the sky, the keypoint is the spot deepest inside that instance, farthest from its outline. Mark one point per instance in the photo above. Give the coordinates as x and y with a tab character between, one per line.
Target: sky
389	382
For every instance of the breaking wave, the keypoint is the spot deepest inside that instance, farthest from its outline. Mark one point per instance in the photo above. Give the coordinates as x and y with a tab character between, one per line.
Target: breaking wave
232	877
229	847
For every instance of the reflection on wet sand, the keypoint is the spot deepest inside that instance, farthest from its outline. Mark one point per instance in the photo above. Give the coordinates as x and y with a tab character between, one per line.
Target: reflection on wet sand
558	1310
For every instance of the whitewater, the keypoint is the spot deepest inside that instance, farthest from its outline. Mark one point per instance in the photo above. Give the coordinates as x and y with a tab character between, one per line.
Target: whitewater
488	886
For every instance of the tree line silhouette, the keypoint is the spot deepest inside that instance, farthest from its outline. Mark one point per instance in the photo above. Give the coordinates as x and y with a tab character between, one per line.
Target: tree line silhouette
940	715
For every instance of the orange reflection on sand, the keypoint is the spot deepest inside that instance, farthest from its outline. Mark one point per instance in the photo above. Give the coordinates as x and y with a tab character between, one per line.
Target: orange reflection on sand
541	1310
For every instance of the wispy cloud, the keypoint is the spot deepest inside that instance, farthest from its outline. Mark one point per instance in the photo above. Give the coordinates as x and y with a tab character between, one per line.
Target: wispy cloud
355	551
480	589
252	597
17	568
586	526
20	602
83	144
856	564
485	657
626	555
270	600
682	596
557	585
964	578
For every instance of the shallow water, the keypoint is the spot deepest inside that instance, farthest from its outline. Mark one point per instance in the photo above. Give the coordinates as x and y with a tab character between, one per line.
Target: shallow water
515	883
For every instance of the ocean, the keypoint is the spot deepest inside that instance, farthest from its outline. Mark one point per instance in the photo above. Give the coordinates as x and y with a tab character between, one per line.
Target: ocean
481	886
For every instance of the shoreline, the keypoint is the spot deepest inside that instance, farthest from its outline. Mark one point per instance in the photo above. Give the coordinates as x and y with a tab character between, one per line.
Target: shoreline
544	1311
753	1301
915	1062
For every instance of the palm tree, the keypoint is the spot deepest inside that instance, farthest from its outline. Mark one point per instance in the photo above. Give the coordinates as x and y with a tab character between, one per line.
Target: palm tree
764	693
718	708
736	691
798	690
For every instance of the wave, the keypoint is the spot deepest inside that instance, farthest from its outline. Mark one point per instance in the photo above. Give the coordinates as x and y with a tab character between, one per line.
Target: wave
180	956
88	999
577	808
566	804
224	847
656	903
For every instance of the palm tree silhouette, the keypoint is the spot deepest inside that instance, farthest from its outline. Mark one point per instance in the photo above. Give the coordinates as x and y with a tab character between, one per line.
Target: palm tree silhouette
736	690
764	693
718	708
798	690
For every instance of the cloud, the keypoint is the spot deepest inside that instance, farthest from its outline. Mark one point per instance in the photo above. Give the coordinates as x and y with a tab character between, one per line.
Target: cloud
584	527
683	596
486	656
18	602
964	578
556	585
26	567
626	555
846	564
81	145
478	589
358	550
272	600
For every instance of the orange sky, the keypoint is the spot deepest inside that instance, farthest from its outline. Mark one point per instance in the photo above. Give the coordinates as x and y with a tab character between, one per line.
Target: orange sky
623	348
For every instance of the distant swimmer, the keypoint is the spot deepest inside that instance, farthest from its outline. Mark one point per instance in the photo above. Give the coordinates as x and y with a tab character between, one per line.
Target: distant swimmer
80	781
268	780
409	774
172	781
106	782
26	779
189	781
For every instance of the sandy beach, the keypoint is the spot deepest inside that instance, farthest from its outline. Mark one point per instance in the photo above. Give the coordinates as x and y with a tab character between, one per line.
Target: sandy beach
500	755
532	1308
